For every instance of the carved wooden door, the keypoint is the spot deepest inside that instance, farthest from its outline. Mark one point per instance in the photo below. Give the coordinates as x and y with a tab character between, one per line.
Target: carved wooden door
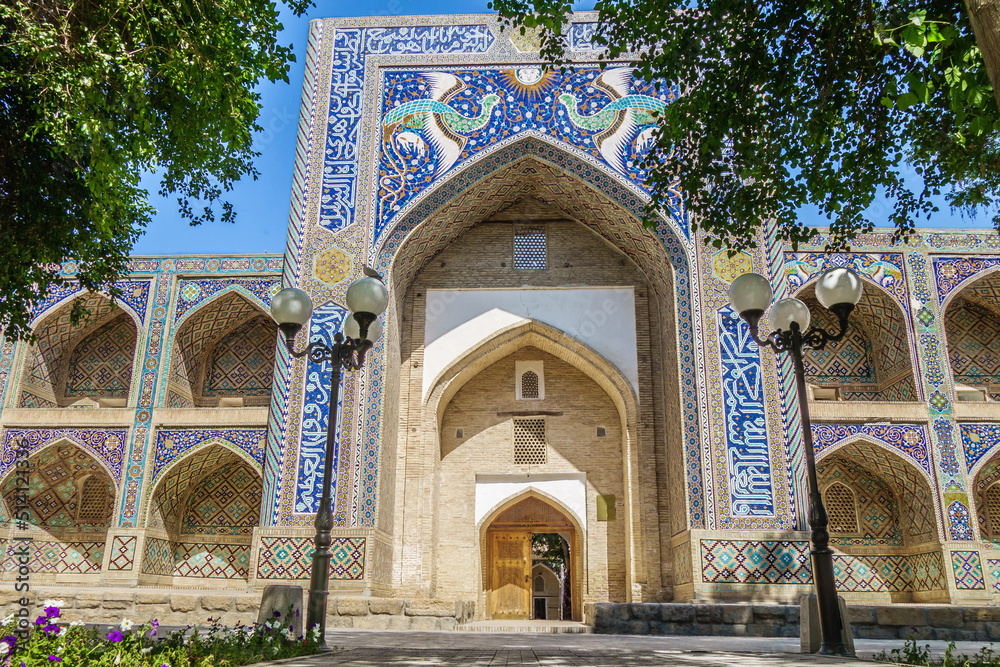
510	592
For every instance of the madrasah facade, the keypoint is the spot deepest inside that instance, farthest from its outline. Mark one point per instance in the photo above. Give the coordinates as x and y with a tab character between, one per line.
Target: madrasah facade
549	366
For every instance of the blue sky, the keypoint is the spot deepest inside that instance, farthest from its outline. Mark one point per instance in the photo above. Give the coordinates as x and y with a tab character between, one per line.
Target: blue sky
262	205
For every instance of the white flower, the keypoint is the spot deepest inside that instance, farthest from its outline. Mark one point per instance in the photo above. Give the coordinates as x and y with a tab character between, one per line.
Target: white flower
76	624
8	619
267	624
270	639
147	649
276	649
125	624
290	635
54	603
4	648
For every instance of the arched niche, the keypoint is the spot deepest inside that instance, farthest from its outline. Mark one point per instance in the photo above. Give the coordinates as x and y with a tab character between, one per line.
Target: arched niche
201	516
87	364
69	501
223	355
873	362
972	331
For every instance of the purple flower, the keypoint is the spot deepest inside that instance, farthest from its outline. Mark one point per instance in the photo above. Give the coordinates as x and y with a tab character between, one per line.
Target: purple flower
115	636
55	658
277	614
297	614
51	630
41	620
52	612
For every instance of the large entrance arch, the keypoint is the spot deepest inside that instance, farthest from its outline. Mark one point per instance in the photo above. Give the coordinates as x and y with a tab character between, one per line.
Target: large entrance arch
535	183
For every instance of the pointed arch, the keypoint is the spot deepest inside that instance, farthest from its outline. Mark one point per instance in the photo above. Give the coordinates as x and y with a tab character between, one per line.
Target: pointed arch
544	337
911	484
163	507
970	319
197	334
45	364
876	361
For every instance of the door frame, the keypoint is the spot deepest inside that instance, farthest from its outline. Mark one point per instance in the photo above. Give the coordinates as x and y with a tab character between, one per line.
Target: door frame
577	548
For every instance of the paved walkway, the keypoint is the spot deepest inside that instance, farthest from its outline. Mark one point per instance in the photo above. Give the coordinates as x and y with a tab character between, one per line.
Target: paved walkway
362	648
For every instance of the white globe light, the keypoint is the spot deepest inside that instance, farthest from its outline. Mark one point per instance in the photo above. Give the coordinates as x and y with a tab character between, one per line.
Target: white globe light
367	295
291	306
353	330
786	311
751	291
839	285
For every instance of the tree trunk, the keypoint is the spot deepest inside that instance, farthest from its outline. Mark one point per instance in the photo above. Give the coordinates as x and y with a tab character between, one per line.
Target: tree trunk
985	18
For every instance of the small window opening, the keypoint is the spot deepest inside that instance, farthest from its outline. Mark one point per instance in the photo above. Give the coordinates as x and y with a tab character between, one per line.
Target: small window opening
459	433
529	442
601	432
529	247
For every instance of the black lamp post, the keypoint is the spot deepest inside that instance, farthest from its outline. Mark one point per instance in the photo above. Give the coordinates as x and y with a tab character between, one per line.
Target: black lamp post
838	290
291	308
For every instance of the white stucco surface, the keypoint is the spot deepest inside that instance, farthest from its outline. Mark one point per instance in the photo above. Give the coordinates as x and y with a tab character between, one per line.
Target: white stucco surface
458	320
568	488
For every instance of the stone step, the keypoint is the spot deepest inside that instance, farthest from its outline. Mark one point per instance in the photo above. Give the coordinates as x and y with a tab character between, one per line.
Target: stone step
556	627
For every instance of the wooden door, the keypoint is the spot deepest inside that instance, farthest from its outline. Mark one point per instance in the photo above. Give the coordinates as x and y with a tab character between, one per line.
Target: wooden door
510	591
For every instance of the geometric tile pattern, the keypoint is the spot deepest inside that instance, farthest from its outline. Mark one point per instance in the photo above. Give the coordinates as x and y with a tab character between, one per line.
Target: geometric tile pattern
968	569
985	480
291	558
194	292
212	561
755	562
54	489
879	519
199	333
928	571
950	272
243	362
978	439
909	487
101	365
122	552
909	439
173	443
157	557
105	444
66	557
172	492
225	502
994	567
872	573
973	343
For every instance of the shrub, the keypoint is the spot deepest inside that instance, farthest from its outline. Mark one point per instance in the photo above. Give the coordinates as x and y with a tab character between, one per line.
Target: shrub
50	643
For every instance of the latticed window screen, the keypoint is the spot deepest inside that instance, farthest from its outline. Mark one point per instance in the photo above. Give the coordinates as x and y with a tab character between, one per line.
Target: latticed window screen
94	501
993	510
841	510
539	584
529	384
529	247
529	442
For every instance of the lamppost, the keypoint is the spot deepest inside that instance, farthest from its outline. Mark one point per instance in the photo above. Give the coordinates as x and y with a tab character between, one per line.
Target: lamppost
838	290
291	308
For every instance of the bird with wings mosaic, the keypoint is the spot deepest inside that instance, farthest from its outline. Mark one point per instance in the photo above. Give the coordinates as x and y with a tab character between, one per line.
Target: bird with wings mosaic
434	120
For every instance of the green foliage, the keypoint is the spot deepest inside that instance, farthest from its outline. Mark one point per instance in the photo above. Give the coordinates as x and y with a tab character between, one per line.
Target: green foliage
789	104
93	94
548	547
912	654
50	642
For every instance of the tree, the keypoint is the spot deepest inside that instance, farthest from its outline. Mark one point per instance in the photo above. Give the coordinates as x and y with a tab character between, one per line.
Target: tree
781	105
95	93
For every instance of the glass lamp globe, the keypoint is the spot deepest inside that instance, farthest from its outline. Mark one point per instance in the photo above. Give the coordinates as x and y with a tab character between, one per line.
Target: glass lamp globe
291	306
838	285
367	295
786	311
353	330
750	292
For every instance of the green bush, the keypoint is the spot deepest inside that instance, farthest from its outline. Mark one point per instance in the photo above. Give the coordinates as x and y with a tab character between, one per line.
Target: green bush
50	643
912	654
